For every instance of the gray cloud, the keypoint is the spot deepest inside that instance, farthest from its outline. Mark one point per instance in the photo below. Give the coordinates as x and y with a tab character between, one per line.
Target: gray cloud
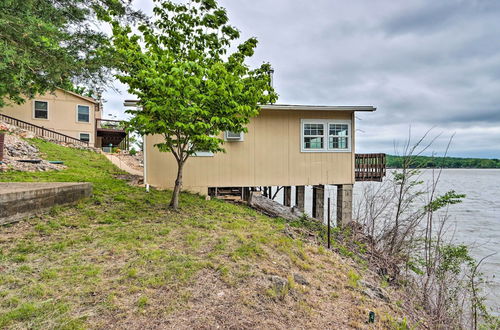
422	63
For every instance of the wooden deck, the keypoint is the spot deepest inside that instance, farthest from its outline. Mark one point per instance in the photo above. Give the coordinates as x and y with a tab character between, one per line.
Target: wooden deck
111	132
370	167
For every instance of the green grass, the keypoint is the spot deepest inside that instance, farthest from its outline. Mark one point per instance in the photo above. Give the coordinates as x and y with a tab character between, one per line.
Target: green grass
123	254
353	279
121	242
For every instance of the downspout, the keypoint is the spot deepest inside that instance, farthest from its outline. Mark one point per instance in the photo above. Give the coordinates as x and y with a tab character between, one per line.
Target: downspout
144	162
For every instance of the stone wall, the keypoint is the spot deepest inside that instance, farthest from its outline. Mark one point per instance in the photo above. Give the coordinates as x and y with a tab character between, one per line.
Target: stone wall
23	199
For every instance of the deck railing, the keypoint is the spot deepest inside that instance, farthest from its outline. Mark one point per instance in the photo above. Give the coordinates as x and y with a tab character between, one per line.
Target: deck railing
370	167
41	131
109	124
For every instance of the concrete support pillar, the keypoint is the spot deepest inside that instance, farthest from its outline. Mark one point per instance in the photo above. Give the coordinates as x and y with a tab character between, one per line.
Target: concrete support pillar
344	204
287	196
318	202
300	197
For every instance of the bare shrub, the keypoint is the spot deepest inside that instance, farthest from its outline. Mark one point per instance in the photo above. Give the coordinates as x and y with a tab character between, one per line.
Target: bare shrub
410	244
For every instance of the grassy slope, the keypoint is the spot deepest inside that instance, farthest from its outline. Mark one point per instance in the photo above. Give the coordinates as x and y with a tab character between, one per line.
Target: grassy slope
121	259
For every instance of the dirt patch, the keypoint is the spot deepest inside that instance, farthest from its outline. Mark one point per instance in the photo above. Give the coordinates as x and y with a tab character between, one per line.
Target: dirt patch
327	300
133	180
133	161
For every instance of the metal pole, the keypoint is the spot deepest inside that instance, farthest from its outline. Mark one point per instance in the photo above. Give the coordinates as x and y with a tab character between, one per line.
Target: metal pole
328	222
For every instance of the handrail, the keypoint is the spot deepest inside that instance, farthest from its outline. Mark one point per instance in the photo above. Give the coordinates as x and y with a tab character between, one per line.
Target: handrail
370	167
40	130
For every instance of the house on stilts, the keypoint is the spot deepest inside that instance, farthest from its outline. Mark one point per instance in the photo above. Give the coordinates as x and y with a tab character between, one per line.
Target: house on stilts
287	146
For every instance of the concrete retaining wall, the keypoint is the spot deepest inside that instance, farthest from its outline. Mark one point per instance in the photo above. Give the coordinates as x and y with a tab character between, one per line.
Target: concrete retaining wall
22	199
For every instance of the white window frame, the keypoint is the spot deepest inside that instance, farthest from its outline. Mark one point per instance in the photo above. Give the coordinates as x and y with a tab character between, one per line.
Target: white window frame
203	154
80	135
241	139
326	134
83	122
48	110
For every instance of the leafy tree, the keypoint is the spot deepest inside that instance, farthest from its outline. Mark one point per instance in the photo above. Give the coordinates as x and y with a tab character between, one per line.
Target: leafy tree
46	44
191	88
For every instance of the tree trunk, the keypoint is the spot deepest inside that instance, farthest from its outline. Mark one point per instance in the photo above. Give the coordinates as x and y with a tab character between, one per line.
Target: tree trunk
174	202
272	208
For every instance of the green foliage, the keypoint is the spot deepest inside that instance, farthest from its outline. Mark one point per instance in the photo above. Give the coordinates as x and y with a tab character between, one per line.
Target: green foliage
190	87
132	152
53	43
142	302
445	162
453	258
449	198
353	278
416	265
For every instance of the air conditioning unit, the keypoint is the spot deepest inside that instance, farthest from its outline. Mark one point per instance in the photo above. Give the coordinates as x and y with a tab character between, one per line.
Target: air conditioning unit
232	136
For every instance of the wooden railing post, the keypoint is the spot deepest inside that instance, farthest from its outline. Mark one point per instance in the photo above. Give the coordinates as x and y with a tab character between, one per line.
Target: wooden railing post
2	139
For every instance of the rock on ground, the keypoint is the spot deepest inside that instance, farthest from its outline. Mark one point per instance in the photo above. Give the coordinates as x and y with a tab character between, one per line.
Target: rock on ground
26	134
18	149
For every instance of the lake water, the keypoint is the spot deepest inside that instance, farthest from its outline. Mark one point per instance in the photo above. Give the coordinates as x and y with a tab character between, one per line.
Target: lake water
474	222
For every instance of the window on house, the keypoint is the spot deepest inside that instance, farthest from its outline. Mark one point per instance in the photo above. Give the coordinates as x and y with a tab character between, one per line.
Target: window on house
83	113
41	110
85	137
323	135
338	136
314	136
232	136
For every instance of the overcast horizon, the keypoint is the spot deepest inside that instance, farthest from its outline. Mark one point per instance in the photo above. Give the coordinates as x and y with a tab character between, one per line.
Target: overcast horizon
423	64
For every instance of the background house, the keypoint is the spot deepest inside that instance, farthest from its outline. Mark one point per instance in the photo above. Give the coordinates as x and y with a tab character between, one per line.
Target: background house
69	114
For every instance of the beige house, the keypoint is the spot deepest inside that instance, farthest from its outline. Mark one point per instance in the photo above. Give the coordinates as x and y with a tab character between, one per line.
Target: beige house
68	114
286	145
61	111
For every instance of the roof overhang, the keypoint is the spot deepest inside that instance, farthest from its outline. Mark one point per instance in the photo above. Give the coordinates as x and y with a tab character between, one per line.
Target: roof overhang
86	98
292	107
130	103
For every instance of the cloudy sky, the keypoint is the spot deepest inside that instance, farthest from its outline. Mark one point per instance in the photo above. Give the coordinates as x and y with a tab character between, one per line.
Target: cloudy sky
423	64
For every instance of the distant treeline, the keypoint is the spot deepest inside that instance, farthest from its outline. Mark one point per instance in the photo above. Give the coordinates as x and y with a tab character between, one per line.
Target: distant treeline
446	162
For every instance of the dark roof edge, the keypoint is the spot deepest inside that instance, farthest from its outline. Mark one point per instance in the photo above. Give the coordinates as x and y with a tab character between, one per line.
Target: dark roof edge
293	107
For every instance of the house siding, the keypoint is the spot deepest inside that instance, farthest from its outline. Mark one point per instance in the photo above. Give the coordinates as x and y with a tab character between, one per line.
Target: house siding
62	114
270	155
